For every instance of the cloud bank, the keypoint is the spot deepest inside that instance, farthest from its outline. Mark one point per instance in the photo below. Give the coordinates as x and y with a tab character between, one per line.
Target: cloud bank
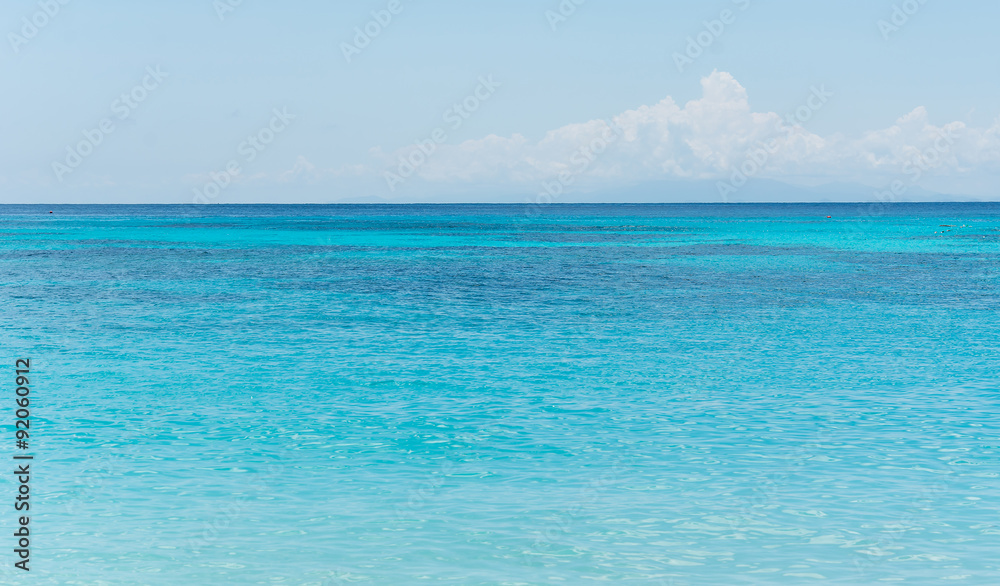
716	137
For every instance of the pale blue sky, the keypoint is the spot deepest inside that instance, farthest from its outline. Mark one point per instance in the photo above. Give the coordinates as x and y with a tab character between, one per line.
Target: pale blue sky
226	76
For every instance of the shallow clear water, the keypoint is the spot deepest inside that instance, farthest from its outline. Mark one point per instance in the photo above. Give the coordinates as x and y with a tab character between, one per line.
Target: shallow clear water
660	395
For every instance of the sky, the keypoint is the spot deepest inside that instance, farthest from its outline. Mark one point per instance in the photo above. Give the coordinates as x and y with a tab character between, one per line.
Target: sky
233	101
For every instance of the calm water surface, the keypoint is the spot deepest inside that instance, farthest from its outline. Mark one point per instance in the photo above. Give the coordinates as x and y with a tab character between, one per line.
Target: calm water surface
662	395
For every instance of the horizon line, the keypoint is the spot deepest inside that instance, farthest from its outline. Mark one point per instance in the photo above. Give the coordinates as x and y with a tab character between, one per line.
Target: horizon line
521	204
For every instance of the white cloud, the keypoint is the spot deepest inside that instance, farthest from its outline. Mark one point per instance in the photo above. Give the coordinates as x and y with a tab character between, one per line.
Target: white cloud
302	167
709	138
715	137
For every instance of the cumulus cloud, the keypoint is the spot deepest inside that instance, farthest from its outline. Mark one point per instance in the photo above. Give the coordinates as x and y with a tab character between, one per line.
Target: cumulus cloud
712	137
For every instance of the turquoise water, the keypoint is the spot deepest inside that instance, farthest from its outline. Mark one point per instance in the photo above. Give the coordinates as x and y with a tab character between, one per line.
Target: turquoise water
662	395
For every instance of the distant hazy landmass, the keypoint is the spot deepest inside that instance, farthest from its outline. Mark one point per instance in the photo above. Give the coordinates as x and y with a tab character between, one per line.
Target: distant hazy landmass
755	191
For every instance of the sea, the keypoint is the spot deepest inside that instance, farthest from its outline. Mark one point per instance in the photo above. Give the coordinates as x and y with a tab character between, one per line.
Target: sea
662	395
